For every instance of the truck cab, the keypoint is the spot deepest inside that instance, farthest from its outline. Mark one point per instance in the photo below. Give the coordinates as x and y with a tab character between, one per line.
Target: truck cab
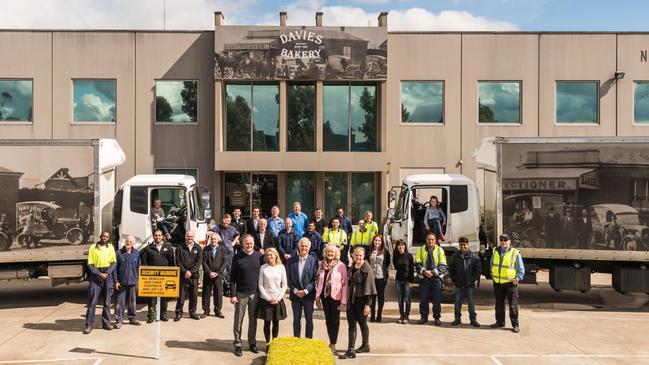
186	207
458	198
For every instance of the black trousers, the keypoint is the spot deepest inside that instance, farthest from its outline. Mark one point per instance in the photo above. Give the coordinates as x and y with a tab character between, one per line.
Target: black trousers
331	310
380	296
507	291
212	288
267	330
355	315
188	287
163	308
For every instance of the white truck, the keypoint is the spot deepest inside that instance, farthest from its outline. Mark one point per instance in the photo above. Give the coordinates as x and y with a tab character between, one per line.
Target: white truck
57	195
573	206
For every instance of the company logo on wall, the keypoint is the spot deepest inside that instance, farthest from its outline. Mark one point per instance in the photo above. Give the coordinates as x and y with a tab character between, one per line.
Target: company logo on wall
300	53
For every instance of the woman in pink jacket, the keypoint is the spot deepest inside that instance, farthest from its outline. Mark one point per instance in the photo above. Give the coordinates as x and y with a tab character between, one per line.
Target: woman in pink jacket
331	291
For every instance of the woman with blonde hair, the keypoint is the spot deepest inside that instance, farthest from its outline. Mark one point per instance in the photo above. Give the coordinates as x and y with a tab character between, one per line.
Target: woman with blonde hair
272	287
331	291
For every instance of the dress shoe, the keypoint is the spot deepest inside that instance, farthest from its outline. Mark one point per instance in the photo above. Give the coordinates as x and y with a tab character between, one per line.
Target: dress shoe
379	318
438	322
332	347
253	349
372	319
406	320
204	315
194	316
164	318
516	329
87	330
237	351
497	325
456	322
350	354
219	314
108	327
422	321
134	322
117	325
178	317
149	320
475	324
363	349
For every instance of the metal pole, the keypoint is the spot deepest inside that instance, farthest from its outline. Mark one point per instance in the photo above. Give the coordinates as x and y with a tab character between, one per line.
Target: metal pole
156	351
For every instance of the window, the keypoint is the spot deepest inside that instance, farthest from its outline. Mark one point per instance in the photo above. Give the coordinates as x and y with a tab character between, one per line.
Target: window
245	191
363	195
422	102
499	102
300	117
335	192
94	100
16	100
252	117
350	190
171	171
300	188
459	198
176	101
350	118
641	102
577	102
139	200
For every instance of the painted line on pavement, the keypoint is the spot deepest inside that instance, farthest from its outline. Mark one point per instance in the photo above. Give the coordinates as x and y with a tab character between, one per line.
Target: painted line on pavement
638	356
97	360
495	360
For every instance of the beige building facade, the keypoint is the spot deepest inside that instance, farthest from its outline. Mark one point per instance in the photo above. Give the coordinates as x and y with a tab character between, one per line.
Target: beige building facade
521	84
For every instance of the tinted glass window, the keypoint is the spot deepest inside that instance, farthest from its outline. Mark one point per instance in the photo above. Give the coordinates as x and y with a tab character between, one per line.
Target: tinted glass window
94	100
16	100
363	118
336	118
641	102
363	193
265	117
422	102
335	185
138	200
577	102
300	117
459	198
176	101
300	188
499	102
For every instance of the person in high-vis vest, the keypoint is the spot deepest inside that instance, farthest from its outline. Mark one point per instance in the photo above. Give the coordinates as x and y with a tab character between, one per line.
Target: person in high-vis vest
370	224
337	237
430	263
361	237
507	270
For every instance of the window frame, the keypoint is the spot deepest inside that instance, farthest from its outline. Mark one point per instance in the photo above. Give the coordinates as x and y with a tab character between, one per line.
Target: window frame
92	122
597	123
520	103
443	123
20	122
634	123
252	84
349	201
198	107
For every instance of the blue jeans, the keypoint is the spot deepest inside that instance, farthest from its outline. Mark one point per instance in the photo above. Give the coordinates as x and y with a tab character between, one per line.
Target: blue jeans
403	297
125	298
435	226
430	290
460	294
97	288
298	304
164	226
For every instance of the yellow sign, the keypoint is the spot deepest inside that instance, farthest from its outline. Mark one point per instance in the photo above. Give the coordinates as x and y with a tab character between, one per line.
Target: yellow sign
158	281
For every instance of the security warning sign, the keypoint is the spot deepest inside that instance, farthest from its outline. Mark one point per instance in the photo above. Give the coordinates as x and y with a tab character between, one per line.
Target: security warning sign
158	281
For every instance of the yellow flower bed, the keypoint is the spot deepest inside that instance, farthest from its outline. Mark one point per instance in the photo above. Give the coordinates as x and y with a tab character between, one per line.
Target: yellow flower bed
299	351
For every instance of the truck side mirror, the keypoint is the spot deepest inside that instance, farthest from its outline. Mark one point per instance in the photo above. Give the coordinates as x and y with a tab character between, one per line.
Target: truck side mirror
392	197
205	199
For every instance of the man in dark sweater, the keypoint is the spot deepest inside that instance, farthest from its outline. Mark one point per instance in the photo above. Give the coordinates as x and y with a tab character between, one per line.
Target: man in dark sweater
189	258
157	253
465	270
244	278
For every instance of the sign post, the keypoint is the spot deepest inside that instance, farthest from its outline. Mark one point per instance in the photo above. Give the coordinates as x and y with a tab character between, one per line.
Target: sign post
157	282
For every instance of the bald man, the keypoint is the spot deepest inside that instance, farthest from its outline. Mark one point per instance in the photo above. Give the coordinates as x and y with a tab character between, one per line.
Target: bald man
125	277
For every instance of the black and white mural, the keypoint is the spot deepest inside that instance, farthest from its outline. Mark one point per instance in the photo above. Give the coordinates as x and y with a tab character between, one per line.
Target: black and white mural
580	195
300	53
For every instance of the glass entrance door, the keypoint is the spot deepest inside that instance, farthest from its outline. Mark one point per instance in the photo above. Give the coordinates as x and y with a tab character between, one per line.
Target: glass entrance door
247	190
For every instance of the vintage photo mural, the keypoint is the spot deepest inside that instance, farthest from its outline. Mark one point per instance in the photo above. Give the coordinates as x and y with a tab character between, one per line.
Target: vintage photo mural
300	53
576	195
46	197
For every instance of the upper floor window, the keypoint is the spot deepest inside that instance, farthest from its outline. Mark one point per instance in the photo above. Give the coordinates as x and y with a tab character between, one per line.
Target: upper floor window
422	102
641	102
499	102
577	102
350	117
300	117
94	100
176	101
252	117
16	100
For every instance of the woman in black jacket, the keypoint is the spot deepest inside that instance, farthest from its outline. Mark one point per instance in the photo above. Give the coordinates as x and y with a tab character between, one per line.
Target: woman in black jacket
405	265
360	293
379	258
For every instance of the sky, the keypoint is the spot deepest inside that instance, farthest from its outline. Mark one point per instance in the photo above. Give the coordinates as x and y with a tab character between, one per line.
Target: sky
434	15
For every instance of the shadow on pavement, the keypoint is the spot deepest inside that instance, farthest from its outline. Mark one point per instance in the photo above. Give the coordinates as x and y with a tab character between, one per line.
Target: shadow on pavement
216	346
68	325
82	350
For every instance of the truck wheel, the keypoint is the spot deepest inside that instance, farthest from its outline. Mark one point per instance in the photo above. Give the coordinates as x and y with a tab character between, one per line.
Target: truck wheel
630	244
75	236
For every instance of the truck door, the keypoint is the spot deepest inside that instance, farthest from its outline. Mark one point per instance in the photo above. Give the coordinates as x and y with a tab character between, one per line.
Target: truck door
463	216
197	213
400	224
135	219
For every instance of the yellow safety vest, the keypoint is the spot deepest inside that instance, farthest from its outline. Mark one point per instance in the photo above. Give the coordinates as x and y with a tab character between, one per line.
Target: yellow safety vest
373	228
335	237
101	256
503	269
361	238
439	257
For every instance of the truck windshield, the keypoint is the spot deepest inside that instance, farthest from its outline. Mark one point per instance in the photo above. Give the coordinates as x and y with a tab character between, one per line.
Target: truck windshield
401	204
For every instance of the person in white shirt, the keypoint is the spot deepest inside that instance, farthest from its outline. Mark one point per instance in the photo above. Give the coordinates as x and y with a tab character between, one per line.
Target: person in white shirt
272	288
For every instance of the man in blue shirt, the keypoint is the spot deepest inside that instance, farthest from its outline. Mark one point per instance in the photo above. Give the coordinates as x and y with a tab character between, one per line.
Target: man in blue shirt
275	222
507	270
125	277
299	219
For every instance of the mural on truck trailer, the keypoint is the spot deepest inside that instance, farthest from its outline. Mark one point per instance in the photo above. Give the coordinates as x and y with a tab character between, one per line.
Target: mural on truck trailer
41	205
301	53
576	195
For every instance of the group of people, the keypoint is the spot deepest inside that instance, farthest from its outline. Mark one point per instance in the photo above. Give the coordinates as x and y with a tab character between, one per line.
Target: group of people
256	262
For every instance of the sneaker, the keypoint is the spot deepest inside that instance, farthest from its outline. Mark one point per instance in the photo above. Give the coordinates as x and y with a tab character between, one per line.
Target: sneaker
108	327
516	329
475	324
134	322
238	351
117	325
456	322
87	330
497	325
406	321
178	317
168	237
438	322
149	320
204	315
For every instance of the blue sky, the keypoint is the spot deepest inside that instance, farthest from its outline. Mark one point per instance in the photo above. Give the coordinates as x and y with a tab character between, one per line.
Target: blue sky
529	15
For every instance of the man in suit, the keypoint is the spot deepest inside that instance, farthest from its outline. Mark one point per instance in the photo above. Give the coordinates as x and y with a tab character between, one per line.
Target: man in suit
263	237
213	268
252	225
158	253
238	222
189	258
301	274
